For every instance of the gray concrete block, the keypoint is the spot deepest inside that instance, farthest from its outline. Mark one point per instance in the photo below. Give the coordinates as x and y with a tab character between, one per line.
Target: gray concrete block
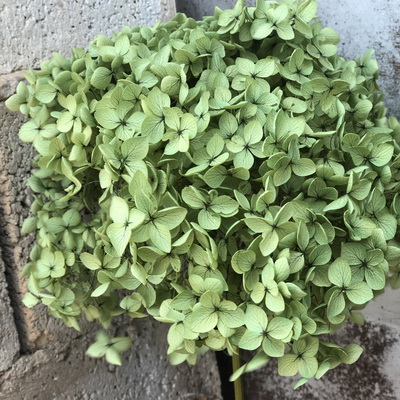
9	343
15	167
200	8
385	309
61	371
32	30
8	83
370	24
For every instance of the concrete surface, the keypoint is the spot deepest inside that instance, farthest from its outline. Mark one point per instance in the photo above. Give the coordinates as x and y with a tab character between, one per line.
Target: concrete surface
9	343
32	29
200	8
40	358
60	371
369	24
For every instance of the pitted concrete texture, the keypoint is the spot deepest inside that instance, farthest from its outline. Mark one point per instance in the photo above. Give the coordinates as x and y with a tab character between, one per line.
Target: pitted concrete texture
369	24
32	29
9	343
362	25
8	84
200	8
60	371
15	167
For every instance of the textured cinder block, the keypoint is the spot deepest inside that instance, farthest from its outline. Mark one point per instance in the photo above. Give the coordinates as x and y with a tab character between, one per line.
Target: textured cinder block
32	30
369	24
200	8
60	371
15	166
9	343
8	83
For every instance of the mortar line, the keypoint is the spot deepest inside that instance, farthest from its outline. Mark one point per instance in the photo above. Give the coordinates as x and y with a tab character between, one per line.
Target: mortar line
10	275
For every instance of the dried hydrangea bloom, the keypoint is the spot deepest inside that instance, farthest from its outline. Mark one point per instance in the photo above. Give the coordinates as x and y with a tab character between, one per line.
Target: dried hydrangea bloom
233	177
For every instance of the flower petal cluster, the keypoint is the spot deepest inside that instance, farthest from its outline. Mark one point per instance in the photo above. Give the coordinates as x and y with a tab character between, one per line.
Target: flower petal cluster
233	177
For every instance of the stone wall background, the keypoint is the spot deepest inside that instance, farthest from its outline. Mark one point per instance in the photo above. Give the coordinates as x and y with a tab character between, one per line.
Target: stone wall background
40	358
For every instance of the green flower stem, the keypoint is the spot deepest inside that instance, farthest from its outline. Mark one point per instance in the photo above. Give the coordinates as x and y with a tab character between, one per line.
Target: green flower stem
238	383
